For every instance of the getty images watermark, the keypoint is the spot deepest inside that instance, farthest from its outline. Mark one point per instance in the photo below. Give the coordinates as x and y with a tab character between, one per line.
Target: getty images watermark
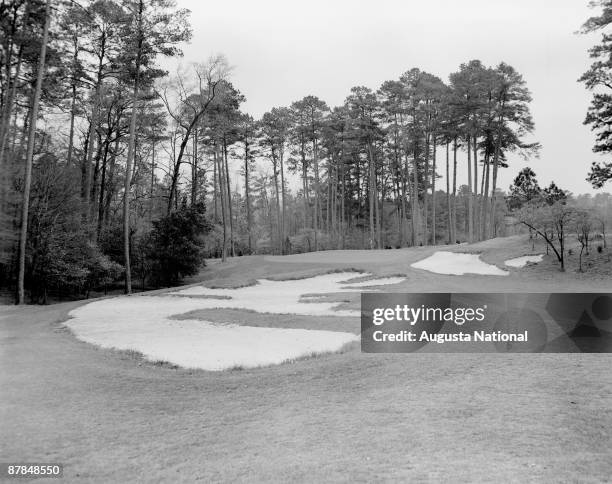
466	322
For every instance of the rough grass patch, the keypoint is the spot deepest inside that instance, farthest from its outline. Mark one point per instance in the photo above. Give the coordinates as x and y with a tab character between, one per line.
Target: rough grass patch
165	364
126	354
297	277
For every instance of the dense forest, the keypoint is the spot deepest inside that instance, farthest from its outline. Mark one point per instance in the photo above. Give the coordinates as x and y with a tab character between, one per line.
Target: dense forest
113	170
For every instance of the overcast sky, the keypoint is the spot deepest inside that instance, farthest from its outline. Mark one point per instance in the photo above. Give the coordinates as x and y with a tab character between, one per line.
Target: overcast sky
283	50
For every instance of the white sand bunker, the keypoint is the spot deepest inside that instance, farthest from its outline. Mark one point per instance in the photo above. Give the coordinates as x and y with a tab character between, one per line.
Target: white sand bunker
522	261
288	297
458	264
145	324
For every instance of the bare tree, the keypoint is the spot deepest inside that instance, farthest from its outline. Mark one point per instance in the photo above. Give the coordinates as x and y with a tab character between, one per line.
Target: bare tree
187	103
584	226
551	222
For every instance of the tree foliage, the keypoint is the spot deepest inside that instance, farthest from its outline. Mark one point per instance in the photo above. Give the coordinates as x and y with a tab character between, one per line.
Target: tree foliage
175	244
599	80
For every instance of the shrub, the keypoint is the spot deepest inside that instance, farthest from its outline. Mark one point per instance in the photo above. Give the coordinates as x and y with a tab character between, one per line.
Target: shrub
61	257
175	245
599	249
265	246
102	271
68	263
213	245
302	242
111	244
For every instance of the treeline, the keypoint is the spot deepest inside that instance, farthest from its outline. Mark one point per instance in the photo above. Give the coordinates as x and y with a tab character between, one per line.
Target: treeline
375	160
104	156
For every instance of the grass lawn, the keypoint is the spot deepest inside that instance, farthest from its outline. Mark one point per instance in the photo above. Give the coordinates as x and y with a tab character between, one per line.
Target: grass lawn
112	417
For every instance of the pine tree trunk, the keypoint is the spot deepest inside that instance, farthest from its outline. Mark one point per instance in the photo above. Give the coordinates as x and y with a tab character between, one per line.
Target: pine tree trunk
215	184
284	202
111	182
433	194
89	159
130	158
304	182
100	215
404	210
315	162
75	60
95	187
229	197
219	162
485	202
470	216
194	169
334	205
95	112
152	186
415	198
371	195
247	194
380	206
27	182
449	218
454	239
425	194
277	199
494	189
476	222
328	198
342	207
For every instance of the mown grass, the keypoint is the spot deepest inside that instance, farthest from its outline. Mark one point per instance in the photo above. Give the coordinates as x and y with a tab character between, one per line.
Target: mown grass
336	417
